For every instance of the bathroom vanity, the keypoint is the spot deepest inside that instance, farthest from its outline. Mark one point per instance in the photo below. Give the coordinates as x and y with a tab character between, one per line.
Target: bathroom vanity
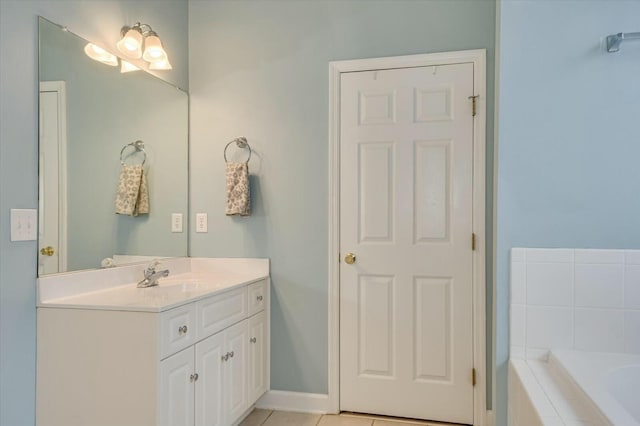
192	351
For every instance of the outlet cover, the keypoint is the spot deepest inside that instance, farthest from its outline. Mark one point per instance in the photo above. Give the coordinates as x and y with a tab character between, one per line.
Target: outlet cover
176	222
201	222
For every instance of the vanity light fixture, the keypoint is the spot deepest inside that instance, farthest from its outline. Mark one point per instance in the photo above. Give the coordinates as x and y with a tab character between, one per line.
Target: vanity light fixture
97	53
140	41
131	43
160	65
127	67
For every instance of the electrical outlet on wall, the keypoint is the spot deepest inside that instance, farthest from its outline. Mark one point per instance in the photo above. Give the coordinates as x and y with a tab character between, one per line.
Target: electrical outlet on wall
176	222
201	222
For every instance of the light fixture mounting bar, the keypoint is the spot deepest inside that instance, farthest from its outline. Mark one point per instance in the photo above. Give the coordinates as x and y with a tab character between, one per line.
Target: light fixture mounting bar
615	40
144	29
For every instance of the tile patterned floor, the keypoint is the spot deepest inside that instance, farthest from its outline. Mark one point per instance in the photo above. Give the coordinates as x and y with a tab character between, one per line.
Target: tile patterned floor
284	418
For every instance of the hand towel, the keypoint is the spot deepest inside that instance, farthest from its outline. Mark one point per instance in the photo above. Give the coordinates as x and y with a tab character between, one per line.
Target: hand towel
238	202
132	197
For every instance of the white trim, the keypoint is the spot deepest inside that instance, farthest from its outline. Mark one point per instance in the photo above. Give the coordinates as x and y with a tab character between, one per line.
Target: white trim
61	88
333	292
491	421
496	152
478	58
294	401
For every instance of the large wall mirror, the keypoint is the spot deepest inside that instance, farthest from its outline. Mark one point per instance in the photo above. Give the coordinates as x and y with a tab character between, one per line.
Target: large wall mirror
92	117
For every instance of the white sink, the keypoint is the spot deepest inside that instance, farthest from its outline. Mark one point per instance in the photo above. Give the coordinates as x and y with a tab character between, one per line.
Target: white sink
184	285
115	288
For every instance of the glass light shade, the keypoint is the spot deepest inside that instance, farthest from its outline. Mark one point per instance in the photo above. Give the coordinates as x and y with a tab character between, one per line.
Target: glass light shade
161	65
127	67
97	53
131	44
153	51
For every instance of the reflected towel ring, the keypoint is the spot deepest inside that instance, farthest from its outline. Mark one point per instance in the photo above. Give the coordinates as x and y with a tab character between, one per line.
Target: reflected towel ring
241	142
139	147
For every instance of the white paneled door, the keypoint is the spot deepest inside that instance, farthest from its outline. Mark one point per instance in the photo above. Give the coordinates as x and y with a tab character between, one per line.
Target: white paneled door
52	226
406	188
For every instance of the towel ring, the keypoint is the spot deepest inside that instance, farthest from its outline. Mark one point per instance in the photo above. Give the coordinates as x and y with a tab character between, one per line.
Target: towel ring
241	142
139	147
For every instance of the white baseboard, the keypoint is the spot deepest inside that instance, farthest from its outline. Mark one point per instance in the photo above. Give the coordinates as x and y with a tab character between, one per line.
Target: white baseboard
310	403
294	401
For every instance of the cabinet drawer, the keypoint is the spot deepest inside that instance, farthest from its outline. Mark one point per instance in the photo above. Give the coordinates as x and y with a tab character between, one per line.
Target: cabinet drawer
177	329
257	296
218	312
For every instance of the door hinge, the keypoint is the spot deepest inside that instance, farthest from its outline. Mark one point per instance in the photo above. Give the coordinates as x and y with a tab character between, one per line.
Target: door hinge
473	376
474	104
473	241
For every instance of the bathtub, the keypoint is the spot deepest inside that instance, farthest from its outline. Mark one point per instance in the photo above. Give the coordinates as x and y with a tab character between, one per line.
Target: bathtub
610	381
571	387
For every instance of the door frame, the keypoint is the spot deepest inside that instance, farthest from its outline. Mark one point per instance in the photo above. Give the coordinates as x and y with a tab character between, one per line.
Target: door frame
60	87
336	68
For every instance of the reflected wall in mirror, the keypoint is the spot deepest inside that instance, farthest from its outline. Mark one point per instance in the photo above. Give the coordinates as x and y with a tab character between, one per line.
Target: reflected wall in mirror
89	111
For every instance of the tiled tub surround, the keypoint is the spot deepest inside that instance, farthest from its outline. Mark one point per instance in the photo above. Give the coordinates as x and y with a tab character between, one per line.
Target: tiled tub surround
587	300
583	308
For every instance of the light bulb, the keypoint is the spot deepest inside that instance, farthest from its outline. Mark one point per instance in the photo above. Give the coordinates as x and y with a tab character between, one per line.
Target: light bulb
163	64
97	53
127	67
153	51
131	44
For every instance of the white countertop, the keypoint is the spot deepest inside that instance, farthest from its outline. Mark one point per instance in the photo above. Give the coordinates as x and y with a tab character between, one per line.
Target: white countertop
110	289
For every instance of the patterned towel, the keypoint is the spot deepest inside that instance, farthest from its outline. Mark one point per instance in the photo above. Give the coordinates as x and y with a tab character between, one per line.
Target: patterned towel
238	201
132	197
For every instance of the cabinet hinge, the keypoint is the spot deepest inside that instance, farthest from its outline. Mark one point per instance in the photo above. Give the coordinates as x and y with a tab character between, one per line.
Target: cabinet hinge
473	376
473	104
473	242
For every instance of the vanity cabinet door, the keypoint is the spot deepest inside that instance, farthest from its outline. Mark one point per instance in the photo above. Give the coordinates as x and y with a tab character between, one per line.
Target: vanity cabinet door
257	356
177	390
210	363
235	375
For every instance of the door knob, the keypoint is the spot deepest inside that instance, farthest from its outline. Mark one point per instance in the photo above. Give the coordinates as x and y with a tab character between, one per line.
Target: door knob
350	258
47	251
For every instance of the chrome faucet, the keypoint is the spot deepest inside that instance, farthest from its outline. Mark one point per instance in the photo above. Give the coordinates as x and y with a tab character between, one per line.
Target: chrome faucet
151	276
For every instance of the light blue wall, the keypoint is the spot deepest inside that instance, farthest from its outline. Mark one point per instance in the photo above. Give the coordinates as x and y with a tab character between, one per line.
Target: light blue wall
569	136
97	21
260	69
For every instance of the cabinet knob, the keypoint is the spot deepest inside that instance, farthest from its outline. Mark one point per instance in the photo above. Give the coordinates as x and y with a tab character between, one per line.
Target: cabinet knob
225	357
350	258
253	340
259	298
182	330
231	354
194	377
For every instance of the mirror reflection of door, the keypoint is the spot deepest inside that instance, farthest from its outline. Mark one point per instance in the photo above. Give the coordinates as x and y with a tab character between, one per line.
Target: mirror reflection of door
52	227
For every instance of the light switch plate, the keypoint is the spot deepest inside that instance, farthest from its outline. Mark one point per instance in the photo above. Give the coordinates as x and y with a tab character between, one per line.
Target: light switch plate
24	224
176	222
201	222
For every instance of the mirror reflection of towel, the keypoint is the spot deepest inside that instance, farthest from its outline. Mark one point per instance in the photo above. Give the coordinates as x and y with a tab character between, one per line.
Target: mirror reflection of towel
132	197
238	202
